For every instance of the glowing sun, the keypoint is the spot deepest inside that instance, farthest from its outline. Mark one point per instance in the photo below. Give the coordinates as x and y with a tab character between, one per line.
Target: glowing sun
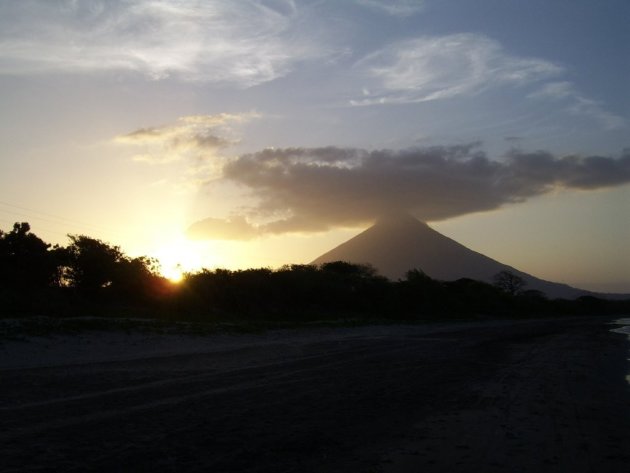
174	274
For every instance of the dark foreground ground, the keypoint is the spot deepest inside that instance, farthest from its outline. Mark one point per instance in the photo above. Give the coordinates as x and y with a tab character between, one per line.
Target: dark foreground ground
541	396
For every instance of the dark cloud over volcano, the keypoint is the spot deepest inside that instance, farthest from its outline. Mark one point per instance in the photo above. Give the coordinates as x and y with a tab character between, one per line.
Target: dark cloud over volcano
315	189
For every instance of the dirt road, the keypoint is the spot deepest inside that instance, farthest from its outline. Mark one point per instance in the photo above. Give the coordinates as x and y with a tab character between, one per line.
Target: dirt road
537	396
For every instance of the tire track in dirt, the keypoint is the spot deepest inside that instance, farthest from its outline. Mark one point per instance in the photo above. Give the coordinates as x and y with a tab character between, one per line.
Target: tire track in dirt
76	410
478	398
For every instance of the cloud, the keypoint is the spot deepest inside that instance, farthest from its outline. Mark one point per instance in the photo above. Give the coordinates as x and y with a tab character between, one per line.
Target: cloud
316	189
578	104
541	171
236	228
440	67
242	43
399	8
196	136
554	90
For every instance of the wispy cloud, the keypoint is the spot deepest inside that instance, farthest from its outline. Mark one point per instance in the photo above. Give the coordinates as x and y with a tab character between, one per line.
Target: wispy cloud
242	43
236	228
196	136
440	67
576	103
399	8
315	189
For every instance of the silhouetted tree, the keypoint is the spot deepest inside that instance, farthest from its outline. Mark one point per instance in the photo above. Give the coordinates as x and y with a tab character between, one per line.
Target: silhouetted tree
417	276
468	296
534	294
38	278
91	264
95	267
349	269
352	288
298	288
26	261
509	282
138	279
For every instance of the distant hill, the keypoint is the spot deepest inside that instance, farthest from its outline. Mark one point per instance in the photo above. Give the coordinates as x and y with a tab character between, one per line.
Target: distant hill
396	244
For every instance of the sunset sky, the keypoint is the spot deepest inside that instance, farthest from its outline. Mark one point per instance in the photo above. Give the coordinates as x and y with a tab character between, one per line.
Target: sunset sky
245	133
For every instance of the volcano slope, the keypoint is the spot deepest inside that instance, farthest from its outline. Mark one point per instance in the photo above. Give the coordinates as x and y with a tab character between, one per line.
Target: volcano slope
397	243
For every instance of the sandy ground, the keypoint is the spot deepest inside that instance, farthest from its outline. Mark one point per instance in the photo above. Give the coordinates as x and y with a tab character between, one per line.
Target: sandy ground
537	396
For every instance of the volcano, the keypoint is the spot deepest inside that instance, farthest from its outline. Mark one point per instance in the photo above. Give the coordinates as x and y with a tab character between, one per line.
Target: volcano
397	244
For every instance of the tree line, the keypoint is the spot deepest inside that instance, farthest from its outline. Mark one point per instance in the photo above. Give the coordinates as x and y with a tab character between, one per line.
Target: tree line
92	277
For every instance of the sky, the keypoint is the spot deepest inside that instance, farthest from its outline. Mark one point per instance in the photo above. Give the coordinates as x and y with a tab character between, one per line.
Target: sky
254	133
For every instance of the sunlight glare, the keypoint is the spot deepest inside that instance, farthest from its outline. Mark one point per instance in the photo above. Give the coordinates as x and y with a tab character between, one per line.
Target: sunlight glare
175	275
179	256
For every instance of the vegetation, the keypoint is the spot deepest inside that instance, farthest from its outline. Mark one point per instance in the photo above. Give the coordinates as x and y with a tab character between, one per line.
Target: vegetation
91	277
